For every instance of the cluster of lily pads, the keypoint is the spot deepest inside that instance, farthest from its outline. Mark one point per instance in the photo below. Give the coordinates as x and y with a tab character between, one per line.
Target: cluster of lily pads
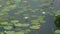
15	8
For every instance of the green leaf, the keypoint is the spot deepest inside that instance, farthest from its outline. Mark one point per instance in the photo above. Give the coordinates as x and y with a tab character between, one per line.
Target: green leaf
57	31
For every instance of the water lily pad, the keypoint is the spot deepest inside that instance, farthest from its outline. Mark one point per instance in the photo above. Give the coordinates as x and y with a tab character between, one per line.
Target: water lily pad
10	32
19	33
35	27
57	31
4	23
8	27
22	25
14	21
57	12
44	5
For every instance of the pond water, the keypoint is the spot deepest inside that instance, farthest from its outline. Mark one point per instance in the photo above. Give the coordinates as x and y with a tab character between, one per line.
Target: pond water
46	28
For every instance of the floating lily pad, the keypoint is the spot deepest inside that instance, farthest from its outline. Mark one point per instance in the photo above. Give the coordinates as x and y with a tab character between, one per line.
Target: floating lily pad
35	27
22	25
8	27
57	32
57	13
19	33
10	32
4	23
44	5
14	21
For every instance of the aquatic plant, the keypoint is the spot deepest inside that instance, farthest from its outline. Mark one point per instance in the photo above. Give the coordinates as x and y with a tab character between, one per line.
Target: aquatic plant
57	21
35	26
14	21
57	12
44	5
57	32
4	23
10	32
19	33
22	25
17	8
8	27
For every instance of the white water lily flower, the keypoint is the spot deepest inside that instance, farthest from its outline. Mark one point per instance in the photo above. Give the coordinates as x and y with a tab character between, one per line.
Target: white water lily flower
43	12
26	17
5	31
